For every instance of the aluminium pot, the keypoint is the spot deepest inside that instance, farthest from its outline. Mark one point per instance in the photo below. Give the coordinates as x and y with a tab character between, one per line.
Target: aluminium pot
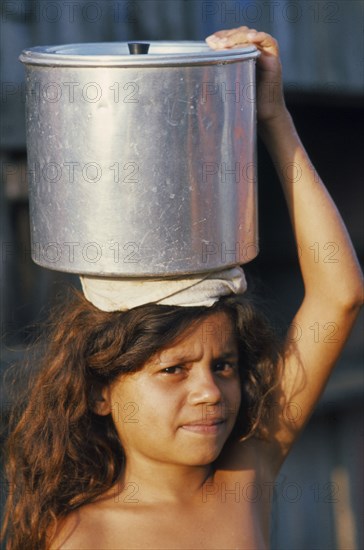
141	165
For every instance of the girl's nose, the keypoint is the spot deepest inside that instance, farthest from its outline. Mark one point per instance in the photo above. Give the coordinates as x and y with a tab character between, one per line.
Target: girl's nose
204	388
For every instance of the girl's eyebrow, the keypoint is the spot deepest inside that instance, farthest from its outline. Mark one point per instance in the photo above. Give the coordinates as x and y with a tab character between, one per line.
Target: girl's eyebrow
233	354
230	354
175	358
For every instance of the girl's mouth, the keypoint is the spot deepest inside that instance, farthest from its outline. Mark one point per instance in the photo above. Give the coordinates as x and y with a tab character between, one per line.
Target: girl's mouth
205	428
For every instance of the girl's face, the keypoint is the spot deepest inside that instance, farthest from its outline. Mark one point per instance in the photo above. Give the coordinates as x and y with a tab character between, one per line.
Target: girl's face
181	407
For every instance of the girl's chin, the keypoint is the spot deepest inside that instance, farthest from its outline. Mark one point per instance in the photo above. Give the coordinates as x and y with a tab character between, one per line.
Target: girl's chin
203	457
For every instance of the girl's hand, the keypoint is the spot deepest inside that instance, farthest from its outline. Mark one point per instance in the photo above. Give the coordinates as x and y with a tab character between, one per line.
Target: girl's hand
270	100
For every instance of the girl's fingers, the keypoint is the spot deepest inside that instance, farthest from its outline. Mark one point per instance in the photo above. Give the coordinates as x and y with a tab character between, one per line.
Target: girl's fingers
242	36
228	39
264	41
230	32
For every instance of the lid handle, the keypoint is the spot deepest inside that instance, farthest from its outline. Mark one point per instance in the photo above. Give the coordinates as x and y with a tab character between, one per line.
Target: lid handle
138	47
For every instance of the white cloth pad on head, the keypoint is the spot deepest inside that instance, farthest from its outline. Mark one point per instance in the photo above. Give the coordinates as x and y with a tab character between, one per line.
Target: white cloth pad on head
119	294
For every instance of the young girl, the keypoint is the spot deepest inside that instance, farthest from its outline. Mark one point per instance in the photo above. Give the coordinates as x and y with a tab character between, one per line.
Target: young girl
155	427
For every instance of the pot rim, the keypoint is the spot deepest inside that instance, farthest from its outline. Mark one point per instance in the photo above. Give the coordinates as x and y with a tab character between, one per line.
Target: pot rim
116	54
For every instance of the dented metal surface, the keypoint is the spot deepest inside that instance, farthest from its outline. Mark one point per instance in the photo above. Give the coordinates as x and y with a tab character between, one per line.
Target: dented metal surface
141	168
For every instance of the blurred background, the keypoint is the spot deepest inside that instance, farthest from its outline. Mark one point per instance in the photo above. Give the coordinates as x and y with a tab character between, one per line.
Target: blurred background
319	493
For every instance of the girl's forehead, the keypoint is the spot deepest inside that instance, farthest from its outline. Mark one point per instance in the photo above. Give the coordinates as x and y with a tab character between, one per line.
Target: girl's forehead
218	326
214	334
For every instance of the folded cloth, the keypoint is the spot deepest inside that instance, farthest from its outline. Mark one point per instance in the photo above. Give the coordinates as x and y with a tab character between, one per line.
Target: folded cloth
120	294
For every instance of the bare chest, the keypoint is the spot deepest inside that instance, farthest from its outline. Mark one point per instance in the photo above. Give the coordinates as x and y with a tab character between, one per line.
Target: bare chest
214	523
230	512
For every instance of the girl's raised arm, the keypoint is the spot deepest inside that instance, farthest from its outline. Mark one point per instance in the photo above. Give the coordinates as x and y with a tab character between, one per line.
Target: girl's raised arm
333	290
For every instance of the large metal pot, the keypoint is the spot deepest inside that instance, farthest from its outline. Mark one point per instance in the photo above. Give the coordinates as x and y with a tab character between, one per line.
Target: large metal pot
141	164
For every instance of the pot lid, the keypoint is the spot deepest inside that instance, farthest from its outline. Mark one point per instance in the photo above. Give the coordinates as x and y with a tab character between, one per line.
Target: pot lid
117	54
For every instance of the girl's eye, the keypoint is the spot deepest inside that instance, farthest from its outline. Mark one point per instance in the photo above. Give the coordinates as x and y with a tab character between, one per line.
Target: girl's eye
225	366
172	370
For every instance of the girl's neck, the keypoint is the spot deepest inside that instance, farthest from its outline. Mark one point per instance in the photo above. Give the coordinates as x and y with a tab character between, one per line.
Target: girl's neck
150	481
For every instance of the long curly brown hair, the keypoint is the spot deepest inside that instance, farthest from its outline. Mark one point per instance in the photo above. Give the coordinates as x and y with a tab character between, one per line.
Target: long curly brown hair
59	454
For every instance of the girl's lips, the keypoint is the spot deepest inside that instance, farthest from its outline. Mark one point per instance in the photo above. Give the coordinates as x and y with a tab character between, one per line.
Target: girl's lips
204	428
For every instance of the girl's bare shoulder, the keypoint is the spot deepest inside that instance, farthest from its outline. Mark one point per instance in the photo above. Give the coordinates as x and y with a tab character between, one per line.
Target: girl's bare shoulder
79	529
